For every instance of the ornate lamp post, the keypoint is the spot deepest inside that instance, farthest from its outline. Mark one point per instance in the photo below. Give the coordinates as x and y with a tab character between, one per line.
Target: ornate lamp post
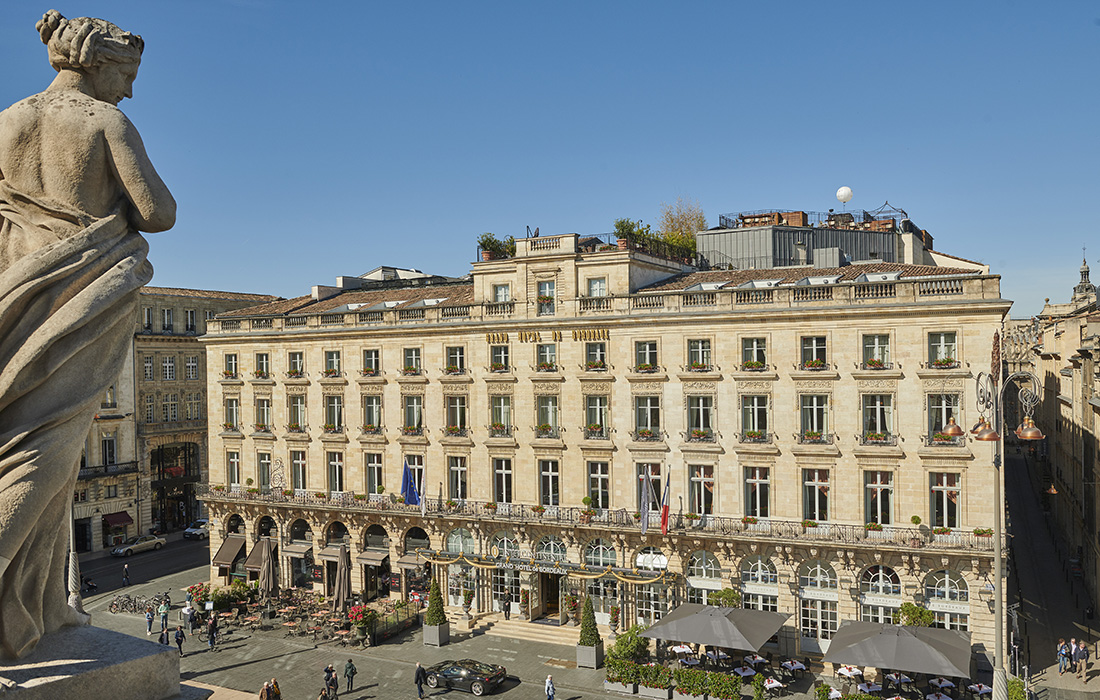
991	399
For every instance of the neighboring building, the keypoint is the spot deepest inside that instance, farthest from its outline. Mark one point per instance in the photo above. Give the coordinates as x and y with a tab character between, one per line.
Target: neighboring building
147	447
793	415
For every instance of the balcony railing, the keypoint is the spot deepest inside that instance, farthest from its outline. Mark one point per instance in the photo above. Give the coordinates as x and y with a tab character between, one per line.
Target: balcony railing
878	439
940	440
756	436
700	435
455	431
108	470
548	431
814	438
597	433
646	435
500	431
762	528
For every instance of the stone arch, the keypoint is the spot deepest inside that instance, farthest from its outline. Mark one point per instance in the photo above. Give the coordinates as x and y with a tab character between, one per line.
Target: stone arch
265	526
235	524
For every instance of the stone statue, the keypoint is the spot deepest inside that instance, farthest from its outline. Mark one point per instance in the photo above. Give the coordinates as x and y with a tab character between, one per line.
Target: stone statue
76	187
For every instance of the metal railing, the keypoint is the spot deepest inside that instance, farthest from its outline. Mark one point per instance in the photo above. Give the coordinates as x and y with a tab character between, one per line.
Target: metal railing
107	470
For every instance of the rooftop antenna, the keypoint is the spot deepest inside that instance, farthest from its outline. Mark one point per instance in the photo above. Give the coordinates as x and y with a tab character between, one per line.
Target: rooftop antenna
533	235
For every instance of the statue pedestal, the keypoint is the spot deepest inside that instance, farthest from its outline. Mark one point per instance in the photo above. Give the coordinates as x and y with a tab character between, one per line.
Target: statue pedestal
91	663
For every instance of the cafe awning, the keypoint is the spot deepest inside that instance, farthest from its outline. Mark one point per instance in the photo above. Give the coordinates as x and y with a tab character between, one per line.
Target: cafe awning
373	557
408	561
297	550
254	560
229	551
330	553
118	519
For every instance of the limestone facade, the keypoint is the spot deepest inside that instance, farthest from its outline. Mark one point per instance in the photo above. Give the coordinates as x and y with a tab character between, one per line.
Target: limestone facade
792	414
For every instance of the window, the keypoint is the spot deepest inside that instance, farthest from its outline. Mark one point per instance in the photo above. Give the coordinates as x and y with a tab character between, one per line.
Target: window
549	482
498	358
108	444
647	414
456	359
754	416
456	412
876	351
604	592
815	494
166	320
817	575
147	362
170	407
942	349
412	360
372	412
878	497
754	353
946	492
191	367
232	413
372	362
231	365
263	469
699	355
651	500
109	400
168	368
332	362
596	416
335	462
813	352
502	480
599	484
700	416
547	416
263	365
189	320
112	491
645	356
298	470
501	412
263	413
414	408
193	406
757	487
704	575
150	408
416	468
546	357
942	408
951	621
880	580
757	569
878	416
334	412
456	472
550	548
595	355
502	293
209	315
372	463
815	414
546	298
147	317
701	489
233	469
297	411
296	363
597	287
945	586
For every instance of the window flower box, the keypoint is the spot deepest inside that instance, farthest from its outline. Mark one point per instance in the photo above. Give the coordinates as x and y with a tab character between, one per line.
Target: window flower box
232	427
453	369
450	504
538	510
321	495
547	367
410	371
752	366
218	488
876	437
545	430
294	428
873	527
498	367
260	374
645	368
812	436
749	520
983	532
646	434
699	367
941	531
595	365
370	429
692	518
816	364
330	373
368	372
944	439
499	430
491	506
262	428
226	374
456	430
754	436
806	524
359	496
874	364
295	374
945	363
698	435
411	430
545	300
288	492
332	428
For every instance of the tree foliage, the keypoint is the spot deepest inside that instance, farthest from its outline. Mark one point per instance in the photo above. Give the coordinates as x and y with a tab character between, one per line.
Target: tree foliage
590	634
678	223
725	598
435	614
915	616
630	644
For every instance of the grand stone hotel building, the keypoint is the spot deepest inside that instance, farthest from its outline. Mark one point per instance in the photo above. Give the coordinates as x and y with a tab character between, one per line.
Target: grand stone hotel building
794	413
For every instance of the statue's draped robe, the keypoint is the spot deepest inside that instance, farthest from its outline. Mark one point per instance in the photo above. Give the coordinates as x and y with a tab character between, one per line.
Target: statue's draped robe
68	295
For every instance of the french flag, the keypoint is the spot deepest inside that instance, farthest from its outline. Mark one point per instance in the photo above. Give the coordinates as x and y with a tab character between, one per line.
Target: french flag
664	510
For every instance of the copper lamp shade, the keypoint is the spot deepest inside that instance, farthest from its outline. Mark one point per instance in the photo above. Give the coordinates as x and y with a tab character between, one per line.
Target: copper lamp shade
952	429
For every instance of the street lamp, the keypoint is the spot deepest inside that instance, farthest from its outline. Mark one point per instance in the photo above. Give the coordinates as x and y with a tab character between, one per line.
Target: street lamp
992	400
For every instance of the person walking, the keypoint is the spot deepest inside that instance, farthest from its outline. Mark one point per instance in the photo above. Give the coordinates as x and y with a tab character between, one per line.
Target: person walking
212	629
276	694
164	637
420	678
125	574
550	688
265	692
180	636
162	610
193	621
1079	658
148	620
349	673
332	683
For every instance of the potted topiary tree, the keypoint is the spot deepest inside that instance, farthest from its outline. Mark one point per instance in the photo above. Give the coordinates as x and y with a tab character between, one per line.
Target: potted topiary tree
437	631
590	646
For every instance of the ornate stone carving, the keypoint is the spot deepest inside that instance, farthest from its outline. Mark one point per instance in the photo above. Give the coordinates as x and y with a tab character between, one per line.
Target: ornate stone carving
599	388
372	389
877	384
295	389
941	385
700	387
499	388
454	389
546	388
646	388
805	384
755	387
407	389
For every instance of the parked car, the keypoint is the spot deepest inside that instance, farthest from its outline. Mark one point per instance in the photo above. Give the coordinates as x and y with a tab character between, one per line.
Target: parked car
138	544
198	530
474	676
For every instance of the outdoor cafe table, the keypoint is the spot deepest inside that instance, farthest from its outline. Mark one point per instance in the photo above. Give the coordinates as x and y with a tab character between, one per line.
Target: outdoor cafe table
941	683
745	671
753	659
869	688
849	671
792	665
835	694
772	684
681	649
898	678
937	696
979	689
717	655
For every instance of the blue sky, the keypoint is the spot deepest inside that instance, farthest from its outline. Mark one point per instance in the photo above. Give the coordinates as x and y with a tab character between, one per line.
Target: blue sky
308	140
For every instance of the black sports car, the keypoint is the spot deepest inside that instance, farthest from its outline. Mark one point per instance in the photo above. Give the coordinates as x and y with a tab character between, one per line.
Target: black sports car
467	674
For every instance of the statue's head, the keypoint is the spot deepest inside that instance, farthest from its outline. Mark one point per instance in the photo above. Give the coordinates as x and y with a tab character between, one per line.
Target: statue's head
95	47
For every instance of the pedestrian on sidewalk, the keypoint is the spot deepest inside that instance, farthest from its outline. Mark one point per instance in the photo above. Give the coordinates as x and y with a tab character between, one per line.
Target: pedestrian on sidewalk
125	574
164	638
180	636
1079	658
212	629
420	678
550	688
276	694
148	620
163	611
265	692
349	673
1063	655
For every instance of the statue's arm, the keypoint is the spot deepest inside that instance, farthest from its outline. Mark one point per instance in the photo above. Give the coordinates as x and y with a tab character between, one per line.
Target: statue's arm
154	208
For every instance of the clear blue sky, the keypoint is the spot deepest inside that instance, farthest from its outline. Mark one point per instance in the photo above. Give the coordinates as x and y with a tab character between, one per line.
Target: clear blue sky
308	140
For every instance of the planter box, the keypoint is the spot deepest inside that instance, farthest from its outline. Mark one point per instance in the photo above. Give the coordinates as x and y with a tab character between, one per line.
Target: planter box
684	696
437	635
662	693
623	688
590	657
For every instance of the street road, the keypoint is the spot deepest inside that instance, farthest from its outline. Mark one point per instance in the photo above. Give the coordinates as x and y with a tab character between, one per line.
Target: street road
173	558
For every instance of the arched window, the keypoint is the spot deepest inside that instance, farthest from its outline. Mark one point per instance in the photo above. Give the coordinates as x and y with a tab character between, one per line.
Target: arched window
817	574
704	565
235	525
599	553
550	549
758	570
651	559
266	527
945	585
505	545
336	533
299	531
880	580
460	540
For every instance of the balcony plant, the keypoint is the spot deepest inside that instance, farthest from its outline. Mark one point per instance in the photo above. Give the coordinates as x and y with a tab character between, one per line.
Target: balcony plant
812	436
498	367
260	374
809	523
295	374
452	369
491	506
915	520
228	374
876	437
749	520
399	499
546	367
538	509
942	438
359	496
410	371
262	428
595	365
754	434
873	527
320	495
983	532
544	429
294	427
499	429
645	434
700	434
218	487
941	531
330	428
944	363
411	430
370	428
873	363
752	365
816	363
368	372
249	481
455	430
229	426
692	516
637	515
699	366
544	299
288	492
645	367
330	373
